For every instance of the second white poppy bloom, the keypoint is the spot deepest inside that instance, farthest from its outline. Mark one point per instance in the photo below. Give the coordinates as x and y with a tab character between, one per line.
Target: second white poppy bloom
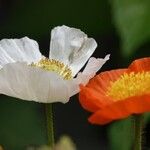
27	75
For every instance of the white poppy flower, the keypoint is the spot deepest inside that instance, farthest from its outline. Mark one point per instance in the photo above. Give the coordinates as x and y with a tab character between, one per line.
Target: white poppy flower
27	75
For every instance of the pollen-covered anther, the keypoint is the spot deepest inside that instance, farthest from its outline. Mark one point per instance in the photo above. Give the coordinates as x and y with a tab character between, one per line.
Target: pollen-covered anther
55	66
129	84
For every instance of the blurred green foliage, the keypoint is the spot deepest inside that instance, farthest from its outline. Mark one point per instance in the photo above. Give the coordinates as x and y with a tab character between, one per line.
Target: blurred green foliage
121	133
22	123
132	20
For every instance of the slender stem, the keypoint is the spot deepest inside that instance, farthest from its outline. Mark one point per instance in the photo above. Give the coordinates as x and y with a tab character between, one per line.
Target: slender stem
138	126
50	127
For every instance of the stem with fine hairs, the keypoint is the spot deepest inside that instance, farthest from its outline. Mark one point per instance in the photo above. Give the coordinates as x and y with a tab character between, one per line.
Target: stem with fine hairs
50	125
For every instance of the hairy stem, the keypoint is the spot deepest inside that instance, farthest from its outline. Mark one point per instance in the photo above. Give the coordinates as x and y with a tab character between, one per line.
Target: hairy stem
138	126
50	126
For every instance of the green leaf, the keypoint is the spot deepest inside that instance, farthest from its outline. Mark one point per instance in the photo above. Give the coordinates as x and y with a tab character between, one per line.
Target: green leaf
120	133
146	118
132	21
22	123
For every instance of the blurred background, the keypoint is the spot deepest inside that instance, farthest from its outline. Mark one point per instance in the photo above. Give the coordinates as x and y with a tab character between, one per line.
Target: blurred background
120	27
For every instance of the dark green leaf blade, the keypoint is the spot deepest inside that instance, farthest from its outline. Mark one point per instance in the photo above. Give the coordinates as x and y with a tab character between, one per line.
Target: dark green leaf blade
120	135
132	20
22	123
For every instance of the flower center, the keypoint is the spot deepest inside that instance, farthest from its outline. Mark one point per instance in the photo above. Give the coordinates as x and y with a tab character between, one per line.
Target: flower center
56	66
132	84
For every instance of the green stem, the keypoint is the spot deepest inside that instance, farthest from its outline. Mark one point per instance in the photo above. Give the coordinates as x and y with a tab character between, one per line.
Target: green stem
138	126
50	127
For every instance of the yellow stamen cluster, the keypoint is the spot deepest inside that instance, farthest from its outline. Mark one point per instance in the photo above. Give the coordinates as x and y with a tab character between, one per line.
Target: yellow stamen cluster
132	84
56	66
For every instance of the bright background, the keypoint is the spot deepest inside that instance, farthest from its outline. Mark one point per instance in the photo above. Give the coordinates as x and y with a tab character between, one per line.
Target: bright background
120	27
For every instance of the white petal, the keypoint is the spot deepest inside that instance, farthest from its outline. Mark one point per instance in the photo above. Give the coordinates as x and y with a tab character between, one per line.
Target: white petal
71	46
34	84
89	72
24	49
94	65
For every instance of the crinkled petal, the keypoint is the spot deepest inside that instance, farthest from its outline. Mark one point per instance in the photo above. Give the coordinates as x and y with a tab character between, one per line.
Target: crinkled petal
139	65
34	84
94	64
93	95
71	46
89	100
19	50
83	78
121	109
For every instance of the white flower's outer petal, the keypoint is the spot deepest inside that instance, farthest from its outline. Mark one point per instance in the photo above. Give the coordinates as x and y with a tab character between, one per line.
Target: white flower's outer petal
34	84
89	72
71	46
19	50
94	65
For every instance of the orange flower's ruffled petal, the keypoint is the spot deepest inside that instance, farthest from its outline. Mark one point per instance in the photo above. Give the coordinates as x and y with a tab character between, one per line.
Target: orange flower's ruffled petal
142	64
121	109
91	99
93	96
102	81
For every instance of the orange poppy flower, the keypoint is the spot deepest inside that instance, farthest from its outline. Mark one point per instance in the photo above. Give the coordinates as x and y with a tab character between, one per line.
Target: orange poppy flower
116	94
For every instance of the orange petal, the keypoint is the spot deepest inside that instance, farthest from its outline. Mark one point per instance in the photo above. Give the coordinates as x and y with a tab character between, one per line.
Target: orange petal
93	96
103	79
142	64
91	100
121	109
